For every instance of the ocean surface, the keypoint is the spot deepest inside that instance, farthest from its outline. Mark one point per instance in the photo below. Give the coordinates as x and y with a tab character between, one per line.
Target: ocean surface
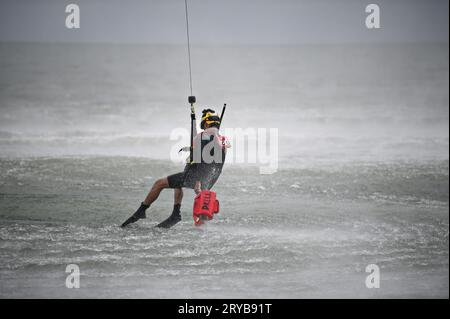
362	177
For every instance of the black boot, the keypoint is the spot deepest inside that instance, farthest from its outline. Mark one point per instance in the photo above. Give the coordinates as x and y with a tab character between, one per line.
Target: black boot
140	213
173	219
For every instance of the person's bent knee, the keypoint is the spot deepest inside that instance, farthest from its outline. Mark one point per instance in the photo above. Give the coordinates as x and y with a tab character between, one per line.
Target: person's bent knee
162	183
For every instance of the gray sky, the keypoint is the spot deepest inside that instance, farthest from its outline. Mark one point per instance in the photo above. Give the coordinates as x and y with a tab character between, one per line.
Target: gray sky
223	22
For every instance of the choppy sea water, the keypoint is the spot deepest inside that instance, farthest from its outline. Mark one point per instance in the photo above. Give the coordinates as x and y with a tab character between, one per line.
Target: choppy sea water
362	179
300	233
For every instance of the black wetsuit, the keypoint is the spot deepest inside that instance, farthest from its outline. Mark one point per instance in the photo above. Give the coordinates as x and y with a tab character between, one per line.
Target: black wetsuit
200	170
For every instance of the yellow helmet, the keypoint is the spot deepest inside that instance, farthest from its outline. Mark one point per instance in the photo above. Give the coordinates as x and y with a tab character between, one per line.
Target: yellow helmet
209	117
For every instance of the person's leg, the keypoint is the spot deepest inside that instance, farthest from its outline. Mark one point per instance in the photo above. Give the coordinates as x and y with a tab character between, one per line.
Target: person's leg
178	196
156	189
177	199
175	217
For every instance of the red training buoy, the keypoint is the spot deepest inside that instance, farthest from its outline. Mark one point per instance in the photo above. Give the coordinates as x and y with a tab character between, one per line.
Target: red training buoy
205	206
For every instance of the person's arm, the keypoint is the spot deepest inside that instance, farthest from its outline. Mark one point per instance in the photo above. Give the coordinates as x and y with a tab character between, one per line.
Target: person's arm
224	142
198	187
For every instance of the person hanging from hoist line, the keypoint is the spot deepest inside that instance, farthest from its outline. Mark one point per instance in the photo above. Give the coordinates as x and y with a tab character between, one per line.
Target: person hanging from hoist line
201	172
206	159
